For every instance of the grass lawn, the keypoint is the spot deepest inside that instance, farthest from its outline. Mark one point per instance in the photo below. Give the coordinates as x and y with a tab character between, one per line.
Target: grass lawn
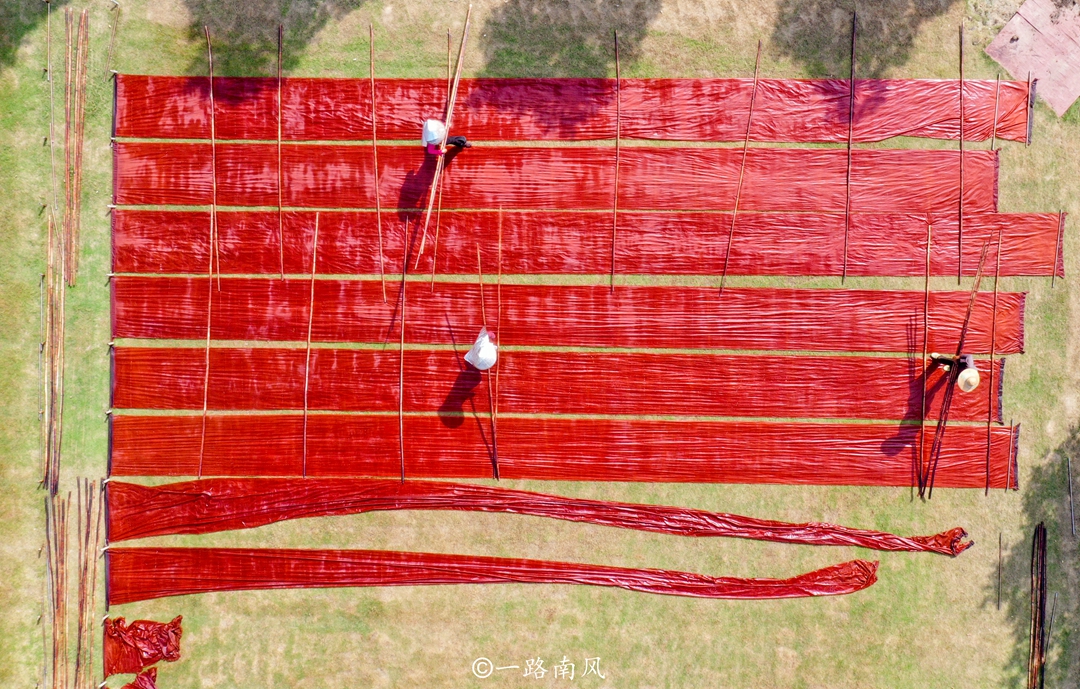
929	622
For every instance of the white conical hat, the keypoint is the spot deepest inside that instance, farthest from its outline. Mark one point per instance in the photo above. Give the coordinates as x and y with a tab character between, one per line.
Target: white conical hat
968	379
484	353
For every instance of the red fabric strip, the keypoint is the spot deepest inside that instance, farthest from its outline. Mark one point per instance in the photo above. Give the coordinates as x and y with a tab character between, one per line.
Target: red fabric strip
136	574
212	505
556	449
588	316
660	178
785	110
693	243
130	648
545	383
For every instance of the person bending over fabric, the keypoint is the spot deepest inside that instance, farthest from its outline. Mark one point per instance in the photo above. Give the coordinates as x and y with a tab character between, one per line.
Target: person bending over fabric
967	376
434	130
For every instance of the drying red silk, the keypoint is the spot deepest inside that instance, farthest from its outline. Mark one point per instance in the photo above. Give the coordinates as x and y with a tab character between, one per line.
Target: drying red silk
210	505
136	574
521	109
144	680
560	242
131	648
545	383
458	445
650	177
564	315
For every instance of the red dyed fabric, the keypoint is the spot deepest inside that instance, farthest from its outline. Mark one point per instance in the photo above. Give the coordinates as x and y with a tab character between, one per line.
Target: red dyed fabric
521	109
131	648
650	178
559	449
143	573
584	316
212	505
560	242
545	383
144	680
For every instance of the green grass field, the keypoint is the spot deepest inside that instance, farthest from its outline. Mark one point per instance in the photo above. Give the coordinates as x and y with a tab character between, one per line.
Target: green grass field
929	622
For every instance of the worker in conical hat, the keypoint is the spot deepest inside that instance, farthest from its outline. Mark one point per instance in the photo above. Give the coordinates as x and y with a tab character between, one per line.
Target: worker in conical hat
967	376
434	131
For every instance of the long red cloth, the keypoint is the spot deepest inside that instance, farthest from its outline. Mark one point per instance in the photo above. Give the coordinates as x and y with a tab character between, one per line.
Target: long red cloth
210	505
564	315
695	243
128	648
505	109
136	574
557	448
545	383
650	177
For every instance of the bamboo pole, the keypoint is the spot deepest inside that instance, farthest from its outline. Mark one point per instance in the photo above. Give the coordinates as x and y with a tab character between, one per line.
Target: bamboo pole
498	315
1057	247
52	106
1072	512
850	137
1008	467
993	363
401	351
206	363
618	151
491	397
112	41
375	160
960	201
438	210
213	164
82	55
742	170
999	573
310	322
440	163
993	132
69	61
925	359
280	173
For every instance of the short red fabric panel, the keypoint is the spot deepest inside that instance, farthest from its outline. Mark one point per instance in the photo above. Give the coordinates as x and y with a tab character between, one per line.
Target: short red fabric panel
545	383
588	316
693	243
212	505
785	110
136	574
592	449
660	178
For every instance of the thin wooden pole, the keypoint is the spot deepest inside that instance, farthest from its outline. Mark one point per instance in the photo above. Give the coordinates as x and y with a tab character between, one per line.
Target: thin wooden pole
742	170
993	364
213	163
491	396
850	138
1072	513
498	315
1008	466
82	60
401	352
69	61
925	358
280	173
1057	248
1030	110
438	210
960	202
112	41
375	160
310	322
618	151
206	361
997	92
440	163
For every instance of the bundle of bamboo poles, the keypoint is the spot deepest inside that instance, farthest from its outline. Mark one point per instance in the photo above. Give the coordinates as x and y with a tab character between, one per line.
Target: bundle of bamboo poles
90	512
76	62
56	513
1037	643
53	355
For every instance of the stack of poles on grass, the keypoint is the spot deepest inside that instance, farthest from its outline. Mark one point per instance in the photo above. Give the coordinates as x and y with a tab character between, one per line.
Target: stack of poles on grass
1038	633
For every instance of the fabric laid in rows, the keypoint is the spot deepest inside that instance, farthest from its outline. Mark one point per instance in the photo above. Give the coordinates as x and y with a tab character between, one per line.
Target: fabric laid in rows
458	445
785	110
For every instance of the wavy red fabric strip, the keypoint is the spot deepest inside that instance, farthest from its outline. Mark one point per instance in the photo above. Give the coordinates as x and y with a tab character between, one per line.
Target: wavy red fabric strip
212	505
559	449
562	242
136	574
785	110
650	178
548	315
545	383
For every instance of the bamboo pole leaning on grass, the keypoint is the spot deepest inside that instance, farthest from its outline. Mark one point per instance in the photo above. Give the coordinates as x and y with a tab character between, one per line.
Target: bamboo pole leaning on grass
79	125
215	256
440	163
438	209
112	40
375	159
742	170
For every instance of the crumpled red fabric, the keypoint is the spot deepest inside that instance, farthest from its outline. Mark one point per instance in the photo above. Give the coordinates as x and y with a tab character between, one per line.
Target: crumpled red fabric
131	648
144	680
